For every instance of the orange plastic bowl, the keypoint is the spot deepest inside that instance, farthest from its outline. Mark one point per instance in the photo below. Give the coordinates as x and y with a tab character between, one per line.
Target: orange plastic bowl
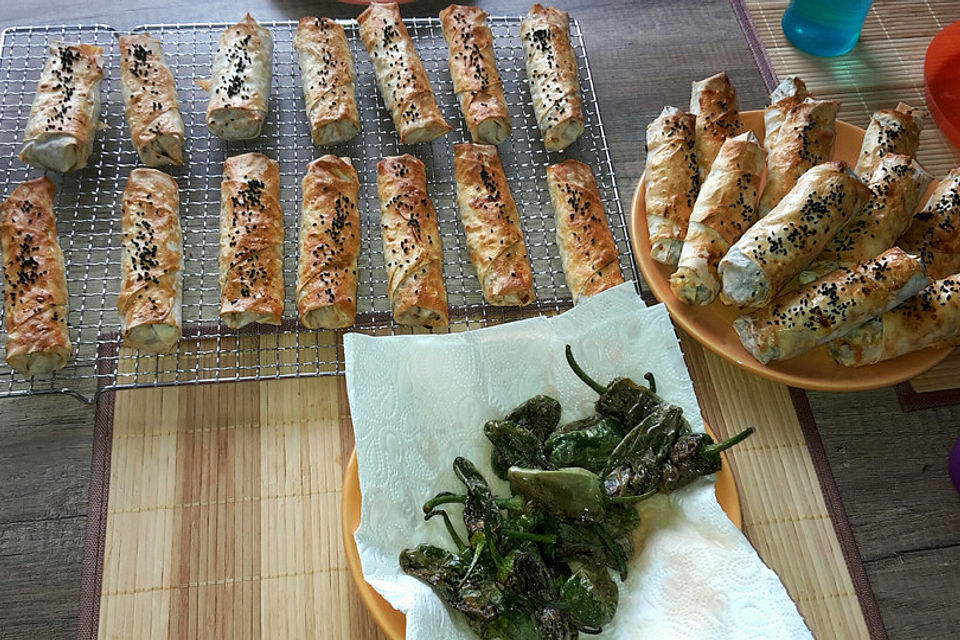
941	81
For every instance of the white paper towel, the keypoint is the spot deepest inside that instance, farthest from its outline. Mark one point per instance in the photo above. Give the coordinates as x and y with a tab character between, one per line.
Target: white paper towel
419	401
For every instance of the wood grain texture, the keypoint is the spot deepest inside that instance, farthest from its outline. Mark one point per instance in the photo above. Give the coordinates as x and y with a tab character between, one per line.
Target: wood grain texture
642	55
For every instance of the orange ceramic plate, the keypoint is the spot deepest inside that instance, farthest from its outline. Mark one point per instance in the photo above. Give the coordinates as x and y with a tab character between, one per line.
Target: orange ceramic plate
940	81
392	622
712	325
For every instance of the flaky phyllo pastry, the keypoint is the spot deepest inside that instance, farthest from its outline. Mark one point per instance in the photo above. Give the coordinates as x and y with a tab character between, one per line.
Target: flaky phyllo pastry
65	113
329	244
474	73
251	241
492	226
400	75
326	69
412	252
34	281
151	290
552	75
150	101
240	82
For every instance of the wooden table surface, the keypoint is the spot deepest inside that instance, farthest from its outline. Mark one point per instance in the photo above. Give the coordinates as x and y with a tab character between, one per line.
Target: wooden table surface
890	467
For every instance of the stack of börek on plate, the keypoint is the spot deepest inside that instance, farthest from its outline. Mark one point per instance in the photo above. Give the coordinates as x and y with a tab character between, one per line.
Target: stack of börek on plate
34	281
811	251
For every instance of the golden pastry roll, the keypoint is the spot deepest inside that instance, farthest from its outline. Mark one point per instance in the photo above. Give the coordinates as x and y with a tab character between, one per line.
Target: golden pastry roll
552	74
789	93
251	241
844	299
34	281
671	182
326	69
151	263
934	233
890	131
587	248
492	226
400	75
930	318
474	73
781	245
896	187
150	101
412	252
714	102
329	244
805	139
724	210
65	113
240	82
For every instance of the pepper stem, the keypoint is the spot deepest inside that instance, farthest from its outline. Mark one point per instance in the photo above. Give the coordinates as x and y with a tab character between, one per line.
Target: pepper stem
513	503
651	381
729	442
593	384
544	538
449	525
614	550
631	499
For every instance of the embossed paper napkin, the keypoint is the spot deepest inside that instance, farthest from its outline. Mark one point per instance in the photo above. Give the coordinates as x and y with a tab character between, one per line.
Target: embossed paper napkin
419	401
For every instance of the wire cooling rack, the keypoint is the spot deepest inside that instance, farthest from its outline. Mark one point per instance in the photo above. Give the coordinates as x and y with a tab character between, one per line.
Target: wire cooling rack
88	204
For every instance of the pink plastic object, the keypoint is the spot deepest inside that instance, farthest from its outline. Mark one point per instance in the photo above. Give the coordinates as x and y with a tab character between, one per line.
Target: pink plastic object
953	465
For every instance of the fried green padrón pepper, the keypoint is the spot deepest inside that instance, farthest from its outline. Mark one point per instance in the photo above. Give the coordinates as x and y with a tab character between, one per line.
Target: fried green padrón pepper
572	492
585	443
539	414
634	466
692	456
480	512
514	446
623	398
591	596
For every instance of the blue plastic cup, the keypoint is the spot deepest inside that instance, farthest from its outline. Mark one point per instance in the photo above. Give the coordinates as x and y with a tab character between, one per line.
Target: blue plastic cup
824	27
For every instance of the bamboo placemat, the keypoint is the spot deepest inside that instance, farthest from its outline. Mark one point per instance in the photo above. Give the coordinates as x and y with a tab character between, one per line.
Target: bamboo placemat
214	508
884	68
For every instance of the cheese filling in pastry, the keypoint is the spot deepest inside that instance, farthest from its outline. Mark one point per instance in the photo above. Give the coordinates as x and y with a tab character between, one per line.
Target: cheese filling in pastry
804	140
890	131
400	75
251	241
844	299
151	263
587	248
724	210
779	246
930	318
412	253
150	101
326	68
671	182
552	74
896	186
329	244
65	113
34	281
714	102
934	233
492	226
474	73
240	83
